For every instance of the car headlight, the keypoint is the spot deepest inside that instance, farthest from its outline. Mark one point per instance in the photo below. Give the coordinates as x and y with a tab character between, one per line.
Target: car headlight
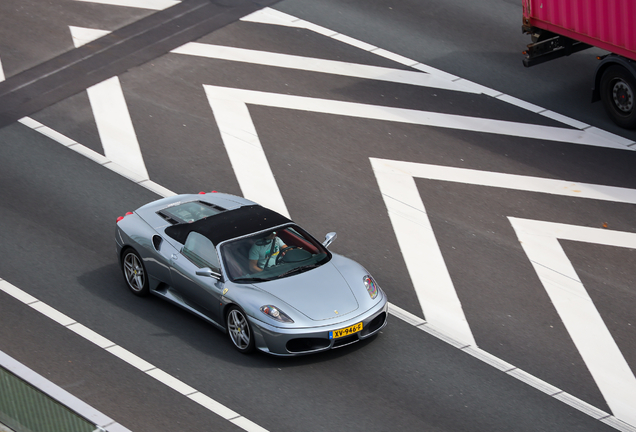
277	314
371	286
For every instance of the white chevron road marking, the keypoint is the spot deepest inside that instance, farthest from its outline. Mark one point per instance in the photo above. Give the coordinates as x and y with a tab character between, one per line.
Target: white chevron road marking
114	124
409	116
436	292
540	241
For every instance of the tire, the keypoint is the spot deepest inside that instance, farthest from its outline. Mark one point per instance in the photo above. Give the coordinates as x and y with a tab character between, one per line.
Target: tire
134	271
618	92
239	330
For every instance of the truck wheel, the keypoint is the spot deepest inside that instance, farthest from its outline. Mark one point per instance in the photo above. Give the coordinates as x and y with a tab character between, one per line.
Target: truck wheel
618	88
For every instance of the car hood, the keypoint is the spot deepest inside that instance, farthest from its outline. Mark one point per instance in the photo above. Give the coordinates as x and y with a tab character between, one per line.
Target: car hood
320	294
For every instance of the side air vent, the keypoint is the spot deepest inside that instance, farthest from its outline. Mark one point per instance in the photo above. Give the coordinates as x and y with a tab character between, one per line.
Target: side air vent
156	242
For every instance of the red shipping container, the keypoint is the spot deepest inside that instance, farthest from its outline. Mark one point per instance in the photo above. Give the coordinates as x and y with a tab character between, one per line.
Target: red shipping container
607	24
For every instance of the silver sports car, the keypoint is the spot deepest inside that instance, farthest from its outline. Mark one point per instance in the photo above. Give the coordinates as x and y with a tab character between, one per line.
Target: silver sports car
251	272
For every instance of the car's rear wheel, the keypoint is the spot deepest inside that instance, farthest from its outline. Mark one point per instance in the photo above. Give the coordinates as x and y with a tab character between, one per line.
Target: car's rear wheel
135	272
239	330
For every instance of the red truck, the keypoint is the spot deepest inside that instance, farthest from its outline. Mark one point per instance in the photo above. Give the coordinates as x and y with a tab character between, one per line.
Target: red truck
562	27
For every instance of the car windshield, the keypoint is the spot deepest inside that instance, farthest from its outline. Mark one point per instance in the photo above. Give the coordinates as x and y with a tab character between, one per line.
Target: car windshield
272	255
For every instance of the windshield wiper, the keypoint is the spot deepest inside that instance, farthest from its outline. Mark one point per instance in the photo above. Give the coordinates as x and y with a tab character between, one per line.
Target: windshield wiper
298	270
251	279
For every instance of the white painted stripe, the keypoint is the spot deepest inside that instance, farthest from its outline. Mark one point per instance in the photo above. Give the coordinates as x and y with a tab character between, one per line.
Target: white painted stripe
318	65
581	405
565	120
507	181
535	382
2	77
112	118
17	293
244	149
520	103
603	358
90	335
212	405
247	425
131	359
440	334
395	57
273	17
33	124
354	42
172	382
617	424
86	152
422	255
401	115
405	316
59	394
489	359
82	35
126	172
115	127
607	135
142	4
52	313
158	189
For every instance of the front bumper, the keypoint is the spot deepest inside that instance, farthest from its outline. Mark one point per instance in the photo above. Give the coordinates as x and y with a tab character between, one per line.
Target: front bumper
292	342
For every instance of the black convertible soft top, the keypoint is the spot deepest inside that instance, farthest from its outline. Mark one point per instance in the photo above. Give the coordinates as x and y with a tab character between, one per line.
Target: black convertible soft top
229	224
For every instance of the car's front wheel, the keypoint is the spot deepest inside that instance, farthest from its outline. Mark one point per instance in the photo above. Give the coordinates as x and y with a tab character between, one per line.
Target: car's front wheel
135	272
239	330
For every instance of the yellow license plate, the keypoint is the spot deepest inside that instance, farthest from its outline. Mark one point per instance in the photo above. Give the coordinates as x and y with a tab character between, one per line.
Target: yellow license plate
345	331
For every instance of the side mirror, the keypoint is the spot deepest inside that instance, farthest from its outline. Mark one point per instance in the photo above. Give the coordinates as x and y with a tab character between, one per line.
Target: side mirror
329	238
207	271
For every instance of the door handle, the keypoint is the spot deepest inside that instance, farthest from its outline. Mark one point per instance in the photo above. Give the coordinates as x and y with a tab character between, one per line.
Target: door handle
174	256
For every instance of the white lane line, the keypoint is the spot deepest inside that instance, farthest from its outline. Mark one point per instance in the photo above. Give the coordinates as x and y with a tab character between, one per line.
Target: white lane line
248	159
318	65
130	358
112	118
422	255
402	115
274	17
60	395
540	241
141	4
409	318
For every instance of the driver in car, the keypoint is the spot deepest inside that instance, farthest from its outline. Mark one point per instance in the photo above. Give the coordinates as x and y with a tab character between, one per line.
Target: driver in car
264	252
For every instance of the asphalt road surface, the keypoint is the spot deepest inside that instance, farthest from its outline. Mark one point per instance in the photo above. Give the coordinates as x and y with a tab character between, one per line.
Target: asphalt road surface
492	201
